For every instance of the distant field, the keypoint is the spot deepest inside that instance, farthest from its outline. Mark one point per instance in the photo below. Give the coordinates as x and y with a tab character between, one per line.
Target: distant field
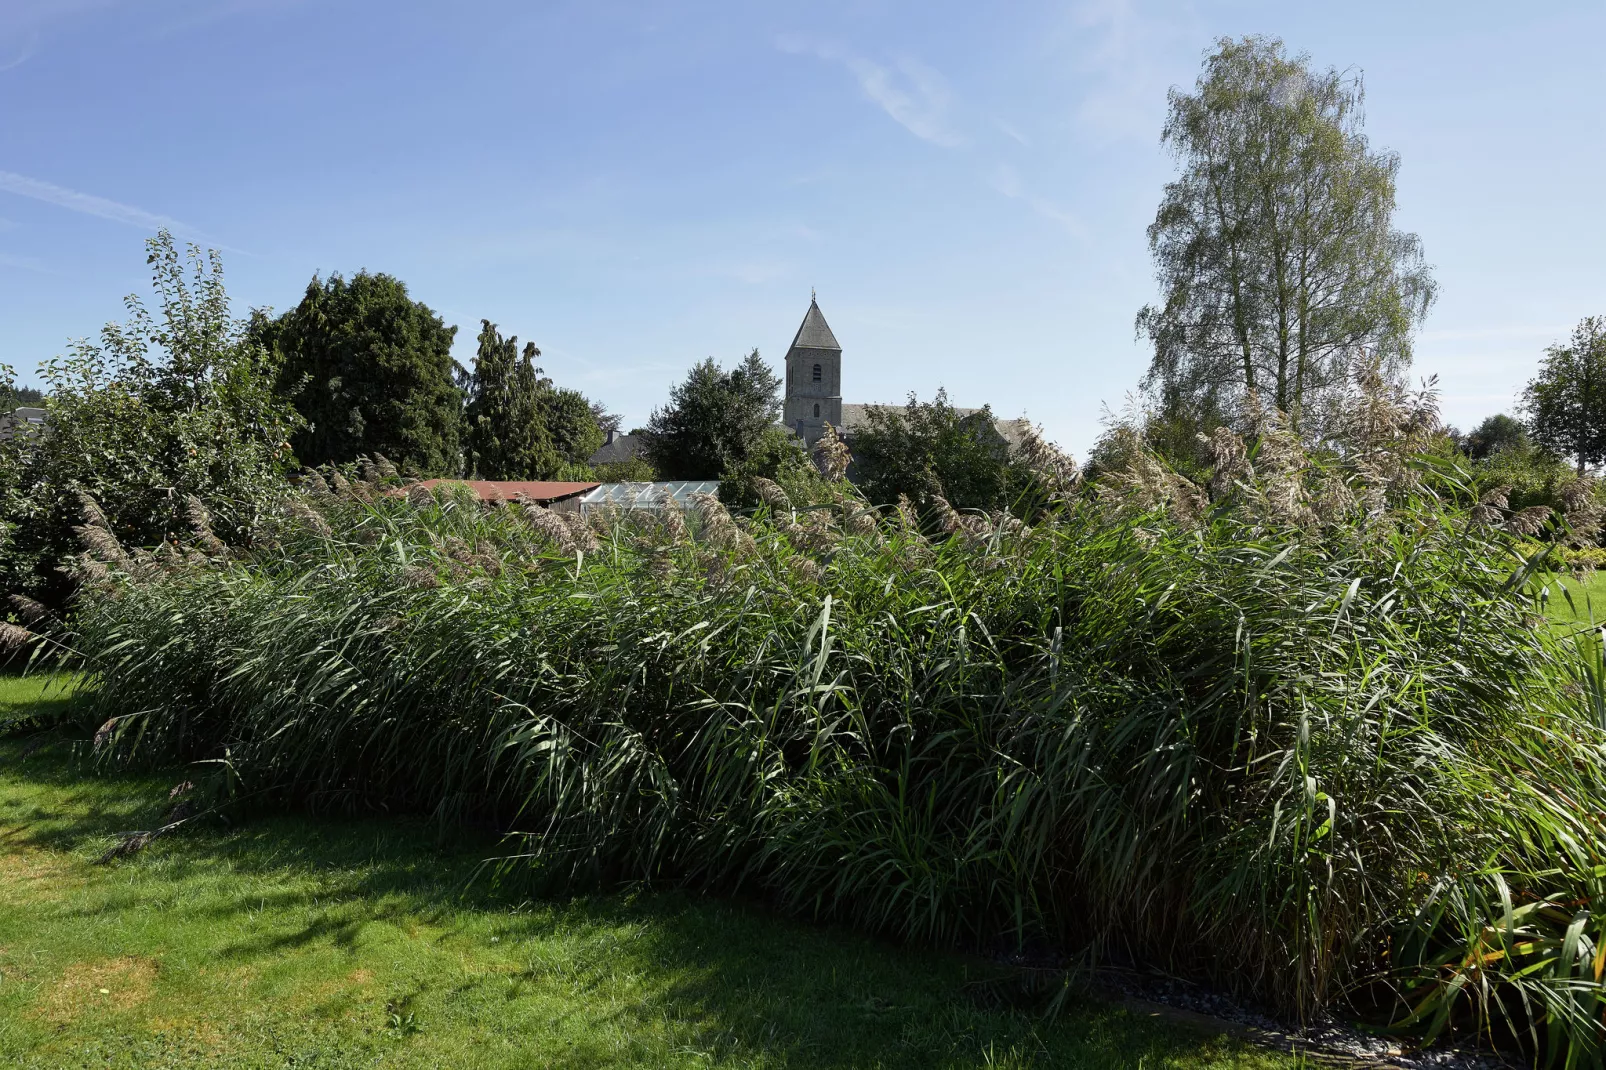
329	943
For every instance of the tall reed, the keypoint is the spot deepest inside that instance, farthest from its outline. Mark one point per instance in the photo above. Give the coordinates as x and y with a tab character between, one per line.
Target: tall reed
1298	734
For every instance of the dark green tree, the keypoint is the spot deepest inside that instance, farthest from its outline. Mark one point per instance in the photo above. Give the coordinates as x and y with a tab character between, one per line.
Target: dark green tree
14	397
370	370
1566	401
506	434
779	456
571	421
1496	434
714	420
927	448
1276	256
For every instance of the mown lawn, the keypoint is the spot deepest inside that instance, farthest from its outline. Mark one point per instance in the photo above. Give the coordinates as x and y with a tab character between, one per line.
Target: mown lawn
1587	604
297	942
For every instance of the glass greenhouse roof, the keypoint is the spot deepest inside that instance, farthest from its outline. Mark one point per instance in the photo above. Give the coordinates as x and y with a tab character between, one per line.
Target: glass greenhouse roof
648	495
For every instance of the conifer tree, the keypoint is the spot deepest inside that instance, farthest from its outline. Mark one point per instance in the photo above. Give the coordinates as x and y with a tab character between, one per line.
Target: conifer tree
506	435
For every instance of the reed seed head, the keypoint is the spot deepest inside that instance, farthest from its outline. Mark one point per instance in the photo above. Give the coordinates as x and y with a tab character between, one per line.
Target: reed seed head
831	455
14	637
30	611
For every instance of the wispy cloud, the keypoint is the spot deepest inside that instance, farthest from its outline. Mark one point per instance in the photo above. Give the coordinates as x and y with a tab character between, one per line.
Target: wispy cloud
89	204
15	54
1125	60
915	95
23	24
1011	132
25	263
1006	180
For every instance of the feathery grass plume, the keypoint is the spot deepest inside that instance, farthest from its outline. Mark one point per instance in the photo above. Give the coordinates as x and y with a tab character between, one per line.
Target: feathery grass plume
1530	521
339	484
89	509
831	455
486	558
718	529
387	470
807	569
102	545
312	484
1005	523
674	523
200	521
370	471
860	520
1581	509
772	495
418	576
908	519
456	548
14	637
605	521
1492	505
1276	484
585	540
544	522
1147	483
1382	426
103	734
1229	459
1055	469
30	611
143	565
297	508
420	496
811	532
86	570
948	518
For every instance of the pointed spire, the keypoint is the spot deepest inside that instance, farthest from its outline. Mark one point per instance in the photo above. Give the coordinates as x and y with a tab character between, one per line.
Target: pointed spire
815	333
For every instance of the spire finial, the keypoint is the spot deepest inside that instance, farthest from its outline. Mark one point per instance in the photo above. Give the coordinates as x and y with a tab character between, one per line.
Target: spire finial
812	297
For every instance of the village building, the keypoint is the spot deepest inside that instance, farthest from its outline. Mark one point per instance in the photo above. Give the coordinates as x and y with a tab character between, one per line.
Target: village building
813	395
814	387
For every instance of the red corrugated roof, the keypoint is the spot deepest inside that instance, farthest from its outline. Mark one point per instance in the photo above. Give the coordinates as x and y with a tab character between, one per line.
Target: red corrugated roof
490	490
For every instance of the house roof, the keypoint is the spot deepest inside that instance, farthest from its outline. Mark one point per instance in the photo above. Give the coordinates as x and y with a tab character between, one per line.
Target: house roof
815	333
27	418
488	490
622	448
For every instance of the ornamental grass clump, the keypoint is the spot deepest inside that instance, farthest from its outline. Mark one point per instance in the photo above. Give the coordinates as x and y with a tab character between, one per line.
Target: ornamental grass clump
1306	745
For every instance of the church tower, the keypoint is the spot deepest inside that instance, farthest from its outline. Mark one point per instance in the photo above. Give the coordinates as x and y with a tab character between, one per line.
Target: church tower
813	378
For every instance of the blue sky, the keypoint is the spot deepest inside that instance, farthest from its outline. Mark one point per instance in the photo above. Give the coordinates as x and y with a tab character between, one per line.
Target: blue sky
635	186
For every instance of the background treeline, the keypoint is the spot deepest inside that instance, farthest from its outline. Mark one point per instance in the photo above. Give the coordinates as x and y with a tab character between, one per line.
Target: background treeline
370	372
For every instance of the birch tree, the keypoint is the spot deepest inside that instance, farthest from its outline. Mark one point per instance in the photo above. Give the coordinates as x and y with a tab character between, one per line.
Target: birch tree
1274	248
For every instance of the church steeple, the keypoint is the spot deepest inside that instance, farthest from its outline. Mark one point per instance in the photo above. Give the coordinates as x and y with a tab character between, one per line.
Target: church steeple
813	377
815	333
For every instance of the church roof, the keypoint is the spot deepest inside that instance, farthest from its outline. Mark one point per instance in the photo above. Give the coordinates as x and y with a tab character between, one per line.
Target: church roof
815	333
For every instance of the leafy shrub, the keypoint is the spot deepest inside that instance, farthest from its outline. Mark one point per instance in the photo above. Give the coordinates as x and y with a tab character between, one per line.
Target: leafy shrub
167	407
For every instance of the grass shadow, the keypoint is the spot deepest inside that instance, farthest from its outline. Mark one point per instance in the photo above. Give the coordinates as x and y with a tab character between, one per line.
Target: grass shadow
445	964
